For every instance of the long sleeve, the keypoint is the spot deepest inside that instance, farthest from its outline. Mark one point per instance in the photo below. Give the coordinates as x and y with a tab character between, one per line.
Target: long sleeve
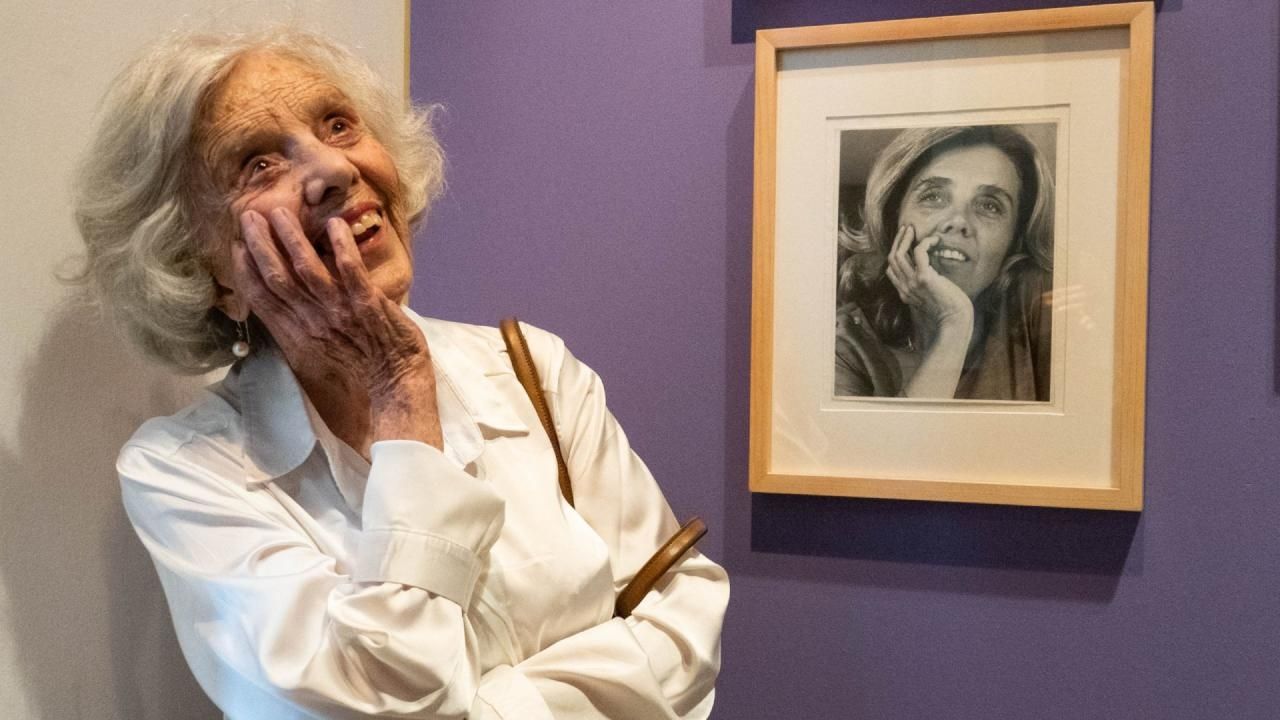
275	628
449	585
662	661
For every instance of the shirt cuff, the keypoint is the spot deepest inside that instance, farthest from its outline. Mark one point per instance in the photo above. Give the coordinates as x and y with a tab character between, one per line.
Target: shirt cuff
505	694
426	523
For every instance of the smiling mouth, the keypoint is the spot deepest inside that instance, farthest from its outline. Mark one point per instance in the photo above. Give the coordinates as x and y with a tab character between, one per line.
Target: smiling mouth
947	253
366	226
363	228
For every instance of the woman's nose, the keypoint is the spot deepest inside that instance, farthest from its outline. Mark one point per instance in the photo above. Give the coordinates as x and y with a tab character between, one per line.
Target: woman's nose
957	223
329	173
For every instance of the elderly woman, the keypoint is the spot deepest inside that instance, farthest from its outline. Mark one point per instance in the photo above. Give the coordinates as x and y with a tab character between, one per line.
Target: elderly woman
943	289
363	518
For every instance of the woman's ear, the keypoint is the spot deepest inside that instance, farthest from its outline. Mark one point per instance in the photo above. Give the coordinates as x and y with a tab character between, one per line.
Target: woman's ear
230	302
219	263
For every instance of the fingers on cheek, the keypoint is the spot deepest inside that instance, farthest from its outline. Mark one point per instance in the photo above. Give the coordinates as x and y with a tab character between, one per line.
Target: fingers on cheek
314	277
250	224
263	304
898	284
276	281
284	222
904	261
921	251
894	269
349	267
346	258
255	231
247	275
344	235
343	242
906	273
903	282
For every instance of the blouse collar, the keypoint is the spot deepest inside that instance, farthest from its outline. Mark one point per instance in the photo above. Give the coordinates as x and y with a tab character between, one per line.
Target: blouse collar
279	434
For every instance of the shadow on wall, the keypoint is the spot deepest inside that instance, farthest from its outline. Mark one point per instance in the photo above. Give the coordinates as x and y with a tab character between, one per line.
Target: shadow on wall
1076	555
86	610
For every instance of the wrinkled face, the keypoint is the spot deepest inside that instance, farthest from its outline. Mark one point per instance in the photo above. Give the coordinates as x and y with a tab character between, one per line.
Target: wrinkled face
277	134
968	197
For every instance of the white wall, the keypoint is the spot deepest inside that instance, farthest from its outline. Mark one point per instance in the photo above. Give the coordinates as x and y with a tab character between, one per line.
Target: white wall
84	632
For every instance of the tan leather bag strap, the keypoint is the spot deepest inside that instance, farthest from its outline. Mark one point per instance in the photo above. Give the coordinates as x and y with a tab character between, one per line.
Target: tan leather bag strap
527	374
667	555
657	566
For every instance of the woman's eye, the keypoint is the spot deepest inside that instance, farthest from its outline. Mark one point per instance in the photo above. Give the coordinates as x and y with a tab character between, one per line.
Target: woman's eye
256	165
339	126
990	206
259	168
931	198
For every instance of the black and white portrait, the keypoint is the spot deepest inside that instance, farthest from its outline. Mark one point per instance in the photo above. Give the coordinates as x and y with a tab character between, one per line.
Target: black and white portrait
945	262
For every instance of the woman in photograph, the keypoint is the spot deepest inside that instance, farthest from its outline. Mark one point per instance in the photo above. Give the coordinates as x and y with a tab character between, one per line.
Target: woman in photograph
944	282
363	518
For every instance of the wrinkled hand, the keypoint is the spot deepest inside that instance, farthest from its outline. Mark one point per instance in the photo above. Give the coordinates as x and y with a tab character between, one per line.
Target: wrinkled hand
922	287
339	323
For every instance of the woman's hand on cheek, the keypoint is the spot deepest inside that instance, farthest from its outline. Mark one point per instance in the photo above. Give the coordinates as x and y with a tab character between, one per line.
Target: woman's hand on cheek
942	304
339	325
920	286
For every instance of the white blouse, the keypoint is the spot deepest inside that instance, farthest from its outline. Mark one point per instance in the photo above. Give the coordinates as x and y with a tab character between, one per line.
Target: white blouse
305	582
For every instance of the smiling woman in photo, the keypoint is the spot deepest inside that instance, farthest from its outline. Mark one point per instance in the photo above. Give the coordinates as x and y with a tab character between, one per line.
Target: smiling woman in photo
944	283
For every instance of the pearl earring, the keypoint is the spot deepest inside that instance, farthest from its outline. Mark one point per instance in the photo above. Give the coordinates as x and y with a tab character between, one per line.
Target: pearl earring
240	348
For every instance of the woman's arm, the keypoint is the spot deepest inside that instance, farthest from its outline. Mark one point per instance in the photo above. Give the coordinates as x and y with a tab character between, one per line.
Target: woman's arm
661	662
275	628
941	364
938	302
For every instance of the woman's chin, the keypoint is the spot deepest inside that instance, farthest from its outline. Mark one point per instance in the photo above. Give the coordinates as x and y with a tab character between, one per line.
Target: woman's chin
952	272
393	282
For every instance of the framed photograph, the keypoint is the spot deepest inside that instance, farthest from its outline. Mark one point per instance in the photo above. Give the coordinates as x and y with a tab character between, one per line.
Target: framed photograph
950	258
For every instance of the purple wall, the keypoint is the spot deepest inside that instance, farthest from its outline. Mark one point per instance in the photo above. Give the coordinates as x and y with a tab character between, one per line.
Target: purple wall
601	187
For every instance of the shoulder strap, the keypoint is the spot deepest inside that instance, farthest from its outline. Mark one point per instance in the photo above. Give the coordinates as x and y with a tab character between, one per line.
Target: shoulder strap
652	571
527	374
667	555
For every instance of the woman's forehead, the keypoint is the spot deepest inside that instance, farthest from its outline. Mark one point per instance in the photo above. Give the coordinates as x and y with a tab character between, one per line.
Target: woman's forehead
261	94
260	91
268	82
984	164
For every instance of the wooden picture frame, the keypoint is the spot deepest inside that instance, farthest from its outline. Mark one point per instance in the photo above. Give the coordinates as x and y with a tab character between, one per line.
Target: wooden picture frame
1081	79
